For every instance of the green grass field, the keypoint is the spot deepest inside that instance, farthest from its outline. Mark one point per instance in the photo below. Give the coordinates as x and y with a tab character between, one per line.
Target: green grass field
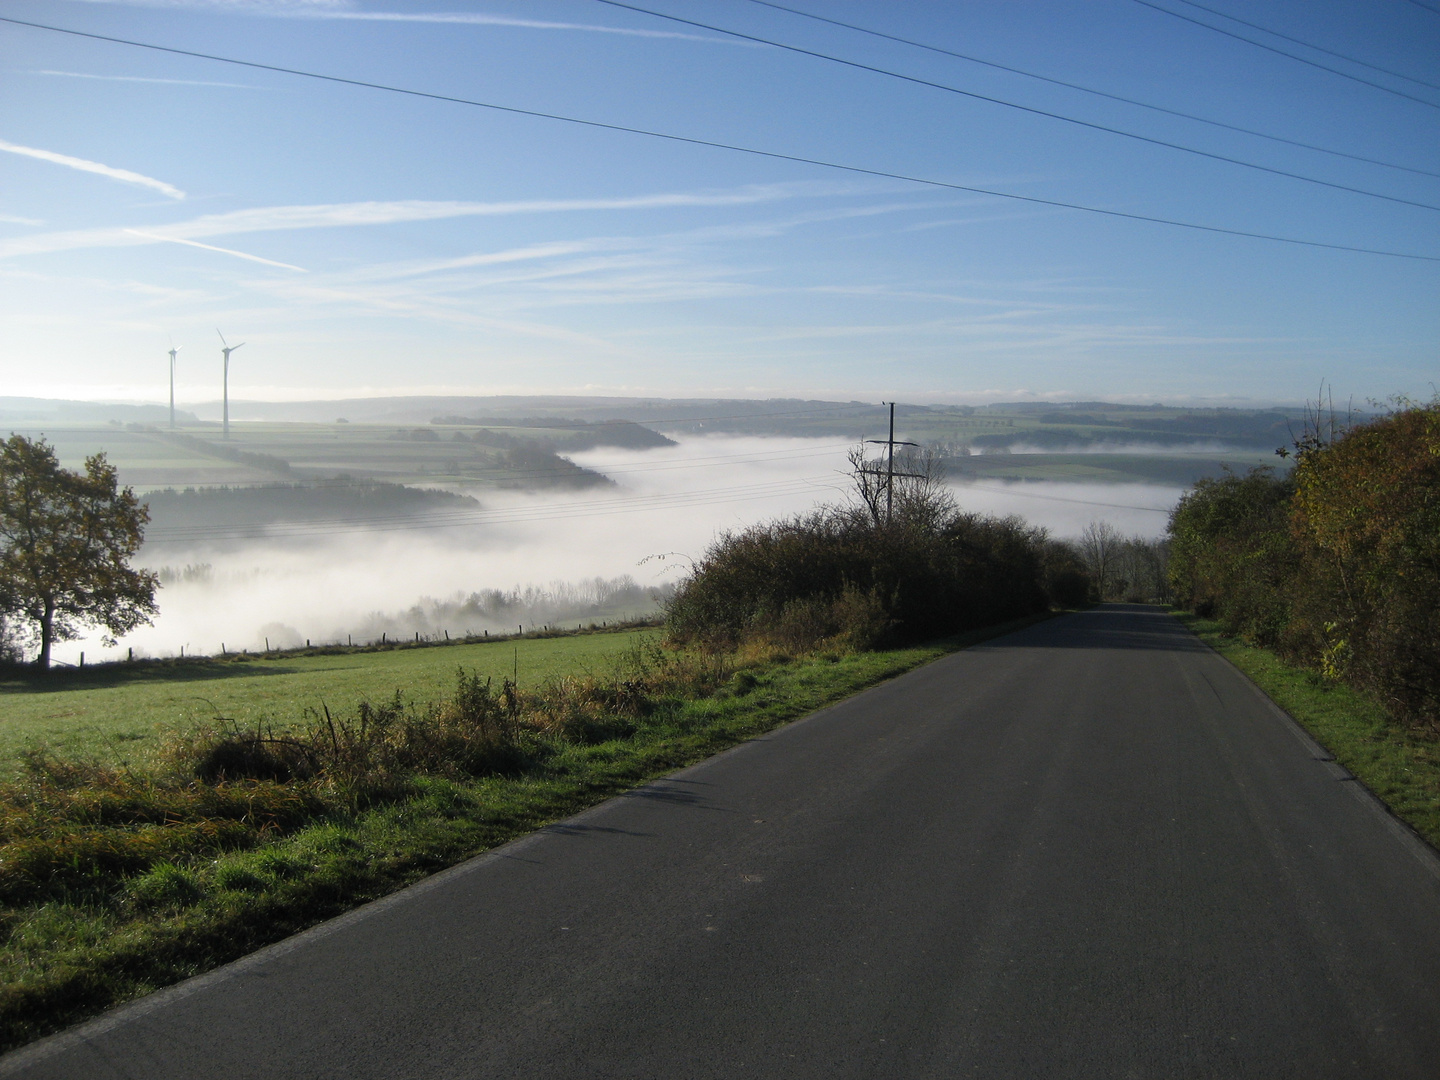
115	713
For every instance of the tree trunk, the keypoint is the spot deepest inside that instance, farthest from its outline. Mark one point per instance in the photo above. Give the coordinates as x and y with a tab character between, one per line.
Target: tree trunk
47	633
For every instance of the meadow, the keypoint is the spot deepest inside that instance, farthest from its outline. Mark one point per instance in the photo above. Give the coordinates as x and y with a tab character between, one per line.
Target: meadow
152	457
118	713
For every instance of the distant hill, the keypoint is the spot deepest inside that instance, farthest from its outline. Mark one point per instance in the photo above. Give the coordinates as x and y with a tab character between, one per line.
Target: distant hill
25	410
566	434
572	423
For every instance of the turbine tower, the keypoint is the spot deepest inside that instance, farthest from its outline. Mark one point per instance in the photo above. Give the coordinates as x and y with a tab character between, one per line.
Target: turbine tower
226	350
173	351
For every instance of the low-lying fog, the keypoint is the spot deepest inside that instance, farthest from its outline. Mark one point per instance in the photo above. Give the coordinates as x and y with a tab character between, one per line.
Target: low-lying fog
535	559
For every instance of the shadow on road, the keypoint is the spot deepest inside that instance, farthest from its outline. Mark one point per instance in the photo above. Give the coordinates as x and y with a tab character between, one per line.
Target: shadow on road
1108	626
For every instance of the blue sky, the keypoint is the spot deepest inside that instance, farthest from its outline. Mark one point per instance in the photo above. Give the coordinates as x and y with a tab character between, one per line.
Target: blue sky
363	242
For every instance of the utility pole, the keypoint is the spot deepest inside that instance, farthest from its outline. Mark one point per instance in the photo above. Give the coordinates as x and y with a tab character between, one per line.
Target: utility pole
890	472
890	468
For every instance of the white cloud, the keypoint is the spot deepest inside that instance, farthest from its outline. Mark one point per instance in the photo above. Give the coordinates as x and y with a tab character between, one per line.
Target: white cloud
502	20
221	250
143	79
83	165
335	215
11	219
327	9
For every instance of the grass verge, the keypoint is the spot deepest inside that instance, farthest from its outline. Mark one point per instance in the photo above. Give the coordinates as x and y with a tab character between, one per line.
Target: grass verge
118	713
114	883
1399	764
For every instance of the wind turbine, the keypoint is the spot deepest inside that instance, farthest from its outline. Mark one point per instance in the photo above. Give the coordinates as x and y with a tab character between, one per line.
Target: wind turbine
226	350
173	351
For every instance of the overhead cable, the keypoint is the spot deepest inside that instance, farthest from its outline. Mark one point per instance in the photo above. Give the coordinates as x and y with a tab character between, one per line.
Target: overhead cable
733	147
1105	128
1282	52
1310	45
1091	90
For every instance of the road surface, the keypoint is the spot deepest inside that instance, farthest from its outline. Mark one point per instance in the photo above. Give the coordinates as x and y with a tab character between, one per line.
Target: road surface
1088	849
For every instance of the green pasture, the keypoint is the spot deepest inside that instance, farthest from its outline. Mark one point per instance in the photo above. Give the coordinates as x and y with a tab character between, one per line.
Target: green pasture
148	459
119	712
145	459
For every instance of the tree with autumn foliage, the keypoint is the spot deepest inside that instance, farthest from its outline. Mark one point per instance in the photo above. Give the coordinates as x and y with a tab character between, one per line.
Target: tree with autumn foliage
66	540
1336	565
1366	518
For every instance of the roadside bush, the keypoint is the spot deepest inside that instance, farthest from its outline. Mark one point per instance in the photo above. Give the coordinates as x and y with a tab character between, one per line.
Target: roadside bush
1063	575
1366	518
367	757
1337	565
836	577
1231	554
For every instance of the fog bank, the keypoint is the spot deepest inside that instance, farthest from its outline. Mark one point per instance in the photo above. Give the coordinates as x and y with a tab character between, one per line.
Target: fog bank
531	558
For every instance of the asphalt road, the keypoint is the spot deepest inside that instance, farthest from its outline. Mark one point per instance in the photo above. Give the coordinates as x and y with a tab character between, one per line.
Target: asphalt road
1088	849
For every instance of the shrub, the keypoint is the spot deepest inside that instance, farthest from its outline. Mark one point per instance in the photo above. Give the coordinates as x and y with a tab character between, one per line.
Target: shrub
837	576
1337	565
369	756
1231	554
1366	518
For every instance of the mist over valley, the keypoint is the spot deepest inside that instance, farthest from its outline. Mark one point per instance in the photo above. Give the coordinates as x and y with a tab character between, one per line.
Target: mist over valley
474	516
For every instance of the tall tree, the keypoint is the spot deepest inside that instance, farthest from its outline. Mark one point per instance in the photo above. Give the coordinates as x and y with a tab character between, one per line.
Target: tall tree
66	539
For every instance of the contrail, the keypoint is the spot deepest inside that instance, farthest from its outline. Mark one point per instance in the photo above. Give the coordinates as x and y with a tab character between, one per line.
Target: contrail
212	247
94	167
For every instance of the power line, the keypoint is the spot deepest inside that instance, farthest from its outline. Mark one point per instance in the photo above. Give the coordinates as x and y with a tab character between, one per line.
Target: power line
1090	90
1427	7
734	148
1282	52
1015	105
1310	45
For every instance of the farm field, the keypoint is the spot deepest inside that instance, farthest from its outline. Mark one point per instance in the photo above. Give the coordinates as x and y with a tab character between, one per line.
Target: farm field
119	712
151	457
145	460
